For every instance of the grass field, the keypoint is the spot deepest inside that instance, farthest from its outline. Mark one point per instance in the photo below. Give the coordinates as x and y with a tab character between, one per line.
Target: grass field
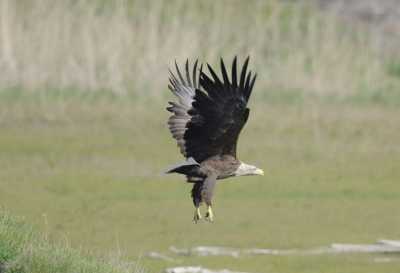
23	250
87	171
84	140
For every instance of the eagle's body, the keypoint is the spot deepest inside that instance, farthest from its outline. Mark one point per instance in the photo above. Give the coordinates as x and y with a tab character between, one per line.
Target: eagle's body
206	122
223	166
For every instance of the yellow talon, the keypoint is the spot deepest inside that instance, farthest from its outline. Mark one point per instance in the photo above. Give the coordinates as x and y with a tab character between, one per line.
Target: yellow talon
197	215
209	214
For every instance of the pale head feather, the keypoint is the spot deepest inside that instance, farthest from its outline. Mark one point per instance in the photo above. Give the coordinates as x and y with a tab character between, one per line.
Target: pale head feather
246	169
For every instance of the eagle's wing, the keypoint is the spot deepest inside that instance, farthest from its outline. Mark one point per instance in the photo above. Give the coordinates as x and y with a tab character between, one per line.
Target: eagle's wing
184	89
218	113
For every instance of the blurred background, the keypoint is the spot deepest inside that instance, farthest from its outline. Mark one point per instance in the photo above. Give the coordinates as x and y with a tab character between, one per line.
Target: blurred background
83	138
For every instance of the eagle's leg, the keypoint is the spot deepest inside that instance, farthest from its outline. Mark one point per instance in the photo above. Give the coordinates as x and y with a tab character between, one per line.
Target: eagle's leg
207	193
209	214
197	215
196	196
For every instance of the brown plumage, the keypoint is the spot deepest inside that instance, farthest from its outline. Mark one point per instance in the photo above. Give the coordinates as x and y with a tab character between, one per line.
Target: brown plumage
206	122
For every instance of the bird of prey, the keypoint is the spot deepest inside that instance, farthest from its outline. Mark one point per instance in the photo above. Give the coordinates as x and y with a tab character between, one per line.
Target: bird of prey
206	122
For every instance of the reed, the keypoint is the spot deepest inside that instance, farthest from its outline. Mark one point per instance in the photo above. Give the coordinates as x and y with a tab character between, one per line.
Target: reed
125	46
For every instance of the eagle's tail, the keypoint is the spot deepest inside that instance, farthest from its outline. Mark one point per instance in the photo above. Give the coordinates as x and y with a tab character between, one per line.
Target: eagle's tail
187	167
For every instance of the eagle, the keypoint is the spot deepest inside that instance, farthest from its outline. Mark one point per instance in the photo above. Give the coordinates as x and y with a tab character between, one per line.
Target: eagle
206	121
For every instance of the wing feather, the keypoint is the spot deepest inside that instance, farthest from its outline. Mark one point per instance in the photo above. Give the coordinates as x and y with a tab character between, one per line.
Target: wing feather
234	73
243	74
210	113
224	74
219	112
184	90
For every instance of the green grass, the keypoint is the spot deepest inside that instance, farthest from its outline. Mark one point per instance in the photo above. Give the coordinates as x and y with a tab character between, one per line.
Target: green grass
24	250
83	138
88	171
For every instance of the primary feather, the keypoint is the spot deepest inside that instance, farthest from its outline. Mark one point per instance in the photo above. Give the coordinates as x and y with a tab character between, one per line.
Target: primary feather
209	116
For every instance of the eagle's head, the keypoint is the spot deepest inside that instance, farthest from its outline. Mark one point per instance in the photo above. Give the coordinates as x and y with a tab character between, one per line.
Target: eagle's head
246	169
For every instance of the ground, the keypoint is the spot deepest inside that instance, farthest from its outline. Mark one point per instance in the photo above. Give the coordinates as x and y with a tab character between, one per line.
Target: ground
84	139
88	172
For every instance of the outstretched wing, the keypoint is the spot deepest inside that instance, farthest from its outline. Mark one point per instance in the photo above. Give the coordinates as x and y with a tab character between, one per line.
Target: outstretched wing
184	89
218	113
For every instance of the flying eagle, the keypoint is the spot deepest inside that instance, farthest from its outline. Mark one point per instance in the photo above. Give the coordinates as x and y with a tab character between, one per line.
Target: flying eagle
206	122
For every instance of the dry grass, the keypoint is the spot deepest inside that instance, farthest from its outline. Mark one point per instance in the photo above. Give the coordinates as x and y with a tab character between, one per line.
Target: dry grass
125	45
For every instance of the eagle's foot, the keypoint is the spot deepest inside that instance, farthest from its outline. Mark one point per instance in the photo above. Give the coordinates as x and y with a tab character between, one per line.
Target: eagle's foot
209	215
197	215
